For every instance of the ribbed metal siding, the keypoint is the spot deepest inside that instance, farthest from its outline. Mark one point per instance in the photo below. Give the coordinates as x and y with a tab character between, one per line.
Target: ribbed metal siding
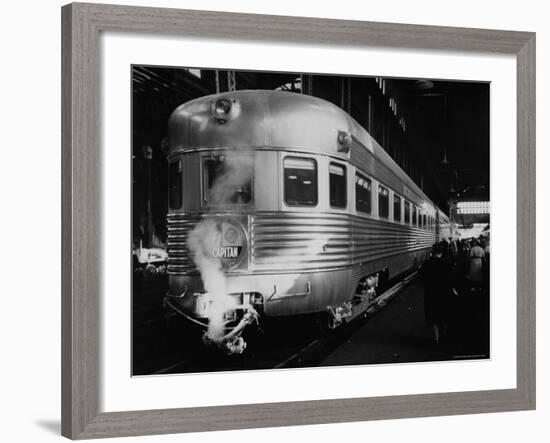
179	257
376	239
297	242
300	241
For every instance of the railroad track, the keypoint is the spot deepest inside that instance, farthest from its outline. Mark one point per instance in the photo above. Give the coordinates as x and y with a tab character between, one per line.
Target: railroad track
313	353
272	350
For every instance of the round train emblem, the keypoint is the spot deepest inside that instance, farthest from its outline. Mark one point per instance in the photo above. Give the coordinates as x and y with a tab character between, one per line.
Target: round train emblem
229	244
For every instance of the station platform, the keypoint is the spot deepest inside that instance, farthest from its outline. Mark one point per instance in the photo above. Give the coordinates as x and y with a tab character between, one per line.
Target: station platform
399	333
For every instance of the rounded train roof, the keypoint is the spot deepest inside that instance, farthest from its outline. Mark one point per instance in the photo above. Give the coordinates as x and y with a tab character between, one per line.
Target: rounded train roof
270	119
259	118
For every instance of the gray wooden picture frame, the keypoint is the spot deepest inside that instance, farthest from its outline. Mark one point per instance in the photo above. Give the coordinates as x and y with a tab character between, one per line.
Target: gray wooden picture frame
81	171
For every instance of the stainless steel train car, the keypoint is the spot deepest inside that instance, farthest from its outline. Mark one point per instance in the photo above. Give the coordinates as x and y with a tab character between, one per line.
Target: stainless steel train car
292	204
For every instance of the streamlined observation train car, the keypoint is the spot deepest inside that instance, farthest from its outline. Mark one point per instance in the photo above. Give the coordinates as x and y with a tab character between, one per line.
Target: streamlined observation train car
282	204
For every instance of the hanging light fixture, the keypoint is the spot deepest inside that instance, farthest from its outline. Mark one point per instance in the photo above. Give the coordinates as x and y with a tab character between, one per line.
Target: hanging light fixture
453	191
445	162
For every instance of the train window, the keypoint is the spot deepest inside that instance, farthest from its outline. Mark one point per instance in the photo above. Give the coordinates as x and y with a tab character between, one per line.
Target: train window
175	185
383	202
363	194
424	221
396	208
414	209
407	216
227	180
300	181
337	185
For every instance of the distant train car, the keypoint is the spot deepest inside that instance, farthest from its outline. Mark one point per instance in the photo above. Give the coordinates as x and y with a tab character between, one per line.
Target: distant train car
282	204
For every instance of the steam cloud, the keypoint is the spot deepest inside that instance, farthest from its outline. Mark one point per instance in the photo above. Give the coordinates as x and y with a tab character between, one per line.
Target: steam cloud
232	176
236	174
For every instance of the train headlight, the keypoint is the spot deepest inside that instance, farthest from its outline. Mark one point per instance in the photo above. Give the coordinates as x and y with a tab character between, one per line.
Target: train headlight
344	141
221	110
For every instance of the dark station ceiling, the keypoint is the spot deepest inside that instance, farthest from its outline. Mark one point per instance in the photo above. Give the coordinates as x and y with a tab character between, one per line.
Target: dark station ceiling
452	121
444	146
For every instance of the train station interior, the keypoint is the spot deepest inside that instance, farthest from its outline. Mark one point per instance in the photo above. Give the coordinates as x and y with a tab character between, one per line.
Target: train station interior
437	132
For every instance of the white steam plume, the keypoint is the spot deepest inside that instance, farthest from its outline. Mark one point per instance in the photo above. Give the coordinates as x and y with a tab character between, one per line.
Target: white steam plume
227	188
202	240
237	173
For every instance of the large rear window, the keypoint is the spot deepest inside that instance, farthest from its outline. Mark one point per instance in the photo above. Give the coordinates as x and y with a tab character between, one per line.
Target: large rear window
300	181
227	179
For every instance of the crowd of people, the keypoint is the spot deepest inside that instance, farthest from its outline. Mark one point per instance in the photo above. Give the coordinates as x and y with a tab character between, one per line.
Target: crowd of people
456	290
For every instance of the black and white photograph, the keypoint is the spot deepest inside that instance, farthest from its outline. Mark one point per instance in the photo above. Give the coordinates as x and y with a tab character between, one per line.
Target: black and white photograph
275	221
294	220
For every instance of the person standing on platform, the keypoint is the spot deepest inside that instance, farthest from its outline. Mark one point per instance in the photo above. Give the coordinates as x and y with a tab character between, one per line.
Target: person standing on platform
453	248
477	256
487	251
436	275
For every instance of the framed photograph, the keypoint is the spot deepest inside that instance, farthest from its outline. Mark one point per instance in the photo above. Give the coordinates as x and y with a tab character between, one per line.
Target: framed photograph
274	221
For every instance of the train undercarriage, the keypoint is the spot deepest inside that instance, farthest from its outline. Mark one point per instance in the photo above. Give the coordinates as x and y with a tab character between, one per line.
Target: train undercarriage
247	310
